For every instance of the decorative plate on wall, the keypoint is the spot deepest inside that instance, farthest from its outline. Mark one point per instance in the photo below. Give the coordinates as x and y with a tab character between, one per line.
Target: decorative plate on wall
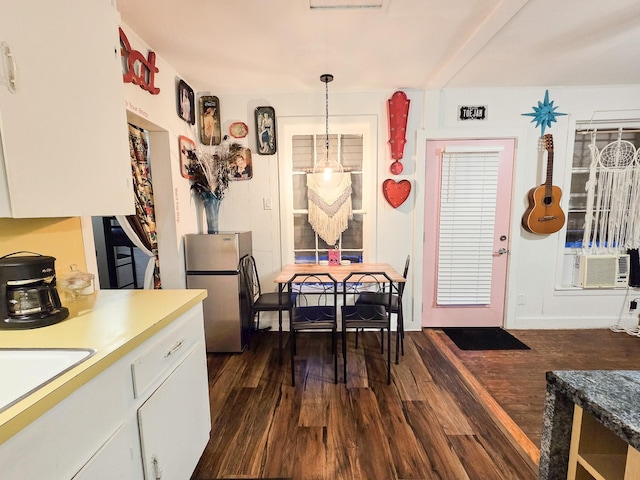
238	130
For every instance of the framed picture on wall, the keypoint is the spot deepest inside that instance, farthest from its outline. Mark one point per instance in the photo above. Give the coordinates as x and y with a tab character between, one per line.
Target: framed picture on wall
240	162
266	130
209	117
186	102
186	145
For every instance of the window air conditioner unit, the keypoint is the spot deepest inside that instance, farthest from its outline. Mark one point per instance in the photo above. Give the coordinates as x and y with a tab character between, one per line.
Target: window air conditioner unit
601	271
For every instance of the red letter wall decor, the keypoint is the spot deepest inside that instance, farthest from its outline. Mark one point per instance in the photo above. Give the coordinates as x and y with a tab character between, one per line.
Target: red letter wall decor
140	71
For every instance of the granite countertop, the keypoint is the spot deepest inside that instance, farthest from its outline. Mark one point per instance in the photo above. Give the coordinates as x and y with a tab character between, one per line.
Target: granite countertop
113	322
611	396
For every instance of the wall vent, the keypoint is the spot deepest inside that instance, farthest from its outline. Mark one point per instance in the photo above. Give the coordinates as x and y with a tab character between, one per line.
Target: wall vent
346	4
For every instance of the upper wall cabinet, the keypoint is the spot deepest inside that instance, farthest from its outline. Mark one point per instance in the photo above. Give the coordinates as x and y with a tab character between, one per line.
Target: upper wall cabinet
63	128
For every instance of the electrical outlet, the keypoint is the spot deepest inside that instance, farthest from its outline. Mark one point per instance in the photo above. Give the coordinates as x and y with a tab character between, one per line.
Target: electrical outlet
521	299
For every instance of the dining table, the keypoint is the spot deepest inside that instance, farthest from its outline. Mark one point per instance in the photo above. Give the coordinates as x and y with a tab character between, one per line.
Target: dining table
338	272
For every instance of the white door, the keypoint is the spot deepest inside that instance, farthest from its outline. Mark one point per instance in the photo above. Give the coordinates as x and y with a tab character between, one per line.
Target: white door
466	245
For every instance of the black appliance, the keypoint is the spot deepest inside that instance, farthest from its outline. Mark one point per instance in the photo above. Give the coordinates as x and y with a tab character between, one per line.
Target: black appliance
28	294
634	270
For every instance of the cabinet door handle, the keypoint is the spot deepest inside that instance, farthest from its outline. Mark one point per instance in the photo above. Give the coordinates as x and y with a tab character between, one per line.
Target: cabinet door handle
157	473
177	346
9	67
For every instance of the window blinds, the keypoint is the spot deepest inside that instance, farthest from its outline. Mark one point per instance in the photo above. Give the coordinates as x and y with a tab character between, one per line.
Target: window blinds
468	189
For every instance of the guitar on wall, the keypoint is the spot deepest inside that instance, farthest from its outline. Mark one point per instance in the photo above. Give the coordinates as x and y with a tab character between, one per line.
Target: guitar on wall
544	214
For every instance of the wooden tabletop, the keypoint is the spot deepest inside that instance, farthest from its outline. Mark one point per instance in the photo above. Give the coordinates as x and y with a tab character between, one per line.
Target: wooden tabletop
339	272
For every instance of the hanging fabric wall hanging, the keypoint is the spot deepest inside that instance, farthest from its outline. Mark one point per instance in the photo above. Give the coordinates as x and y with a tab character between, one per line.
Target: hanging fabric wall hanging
141	227
613	195
329	205
329	188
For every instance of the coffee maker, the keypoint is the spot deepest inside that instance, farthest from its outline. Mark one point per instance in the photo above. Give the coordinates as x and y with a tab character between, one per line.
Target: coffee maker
28	294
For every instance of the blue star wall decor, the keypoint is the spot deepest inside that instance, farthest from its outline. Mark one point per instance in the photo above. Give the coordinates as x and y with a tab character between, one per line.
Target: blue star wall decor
544	114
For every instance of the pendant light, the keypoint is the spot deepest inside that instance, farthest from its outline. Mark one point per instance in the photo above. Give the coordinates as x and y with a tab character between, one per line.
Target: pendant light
328	165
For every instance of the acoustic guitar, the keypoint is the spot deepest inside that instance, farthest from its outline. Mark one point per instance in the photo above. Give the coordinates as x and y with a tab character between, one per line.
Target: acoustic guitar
544	214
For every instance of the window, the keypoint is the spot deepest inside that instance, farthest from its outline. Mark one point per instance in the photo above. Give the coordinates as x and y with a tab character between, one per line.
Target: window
580	173
306	149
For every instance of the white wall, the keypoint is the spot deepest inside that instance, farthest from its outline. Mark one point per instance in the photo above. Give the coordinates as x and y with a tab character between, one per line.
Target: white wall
535	268
242	209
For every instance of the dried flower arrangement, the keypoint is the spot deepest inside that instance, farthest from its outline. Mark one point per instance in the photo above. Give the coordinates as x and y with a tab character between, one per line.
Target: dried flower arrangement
209	172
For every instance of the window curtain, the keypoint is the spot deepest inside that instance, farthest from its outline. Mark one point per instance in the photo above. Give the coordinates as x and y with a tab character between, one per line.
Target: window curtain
141	227
612	219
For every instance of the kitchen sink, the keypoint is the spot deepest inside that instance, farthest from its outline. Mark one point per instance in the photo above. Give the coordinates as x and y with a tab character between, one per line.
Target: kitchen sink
24	370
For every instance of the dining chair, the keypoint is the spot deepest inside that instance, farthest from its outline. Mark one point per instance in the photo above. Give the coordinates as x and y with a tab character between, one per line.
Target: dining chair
260	301
314	308
379	298
367	315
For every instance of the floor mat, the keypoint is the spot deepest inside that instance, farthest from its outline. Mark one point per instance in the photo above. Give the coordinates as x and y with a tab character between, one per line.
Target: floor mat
483	338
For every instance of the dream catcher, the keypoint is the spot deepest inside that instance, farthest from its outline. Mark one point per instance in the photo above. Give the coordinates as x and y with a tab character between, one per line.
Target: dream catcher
613	194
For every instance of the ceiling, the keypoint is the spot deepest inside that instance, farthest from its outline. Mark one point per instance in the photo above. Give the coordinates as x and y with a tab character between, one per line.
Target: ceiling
277	46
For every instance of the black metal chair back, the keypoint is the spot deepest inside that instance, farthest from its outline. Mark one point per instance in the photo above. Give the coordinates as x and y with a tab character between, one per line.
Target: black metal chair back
263	302
396	306
367	315
315	307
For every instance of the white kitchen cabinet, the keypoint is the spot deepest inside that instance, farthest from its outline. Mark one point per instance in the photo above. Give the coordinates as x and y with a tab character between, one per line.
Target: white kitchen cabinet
116	459
171	421
63	132
109	428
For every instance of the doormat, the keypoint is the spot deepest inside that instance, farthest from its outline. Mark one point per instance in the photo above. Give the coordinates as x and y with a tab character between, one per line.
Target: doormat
483	338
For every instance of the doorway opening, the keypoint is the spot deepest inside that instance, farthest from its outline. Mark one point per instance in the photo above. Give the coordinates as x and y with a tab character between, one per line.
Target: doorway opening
126	246
121	264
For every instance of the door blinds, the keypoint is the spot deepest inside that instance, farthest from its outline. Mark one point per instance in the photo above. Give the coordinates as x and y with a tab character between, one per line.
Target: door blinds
468	192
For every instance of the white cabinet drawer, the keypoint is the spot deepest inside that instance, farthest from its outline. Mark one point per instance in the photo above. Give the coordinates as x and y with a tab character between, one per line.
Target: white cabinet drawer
165	355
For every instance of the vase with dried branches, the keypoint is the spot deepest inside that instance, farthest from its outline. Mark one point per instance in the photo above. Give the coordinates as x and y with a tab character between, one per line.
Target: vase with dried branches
210	171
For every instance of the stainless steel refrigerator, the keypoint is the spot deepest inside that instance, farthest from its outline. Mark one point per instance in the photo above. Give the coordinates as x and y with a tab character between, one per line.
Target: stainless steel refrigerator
212	263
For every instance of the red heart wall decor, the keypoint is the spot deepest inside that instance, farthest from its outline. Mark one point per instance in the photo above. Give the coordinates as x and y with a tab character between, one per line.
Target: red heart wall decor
396	192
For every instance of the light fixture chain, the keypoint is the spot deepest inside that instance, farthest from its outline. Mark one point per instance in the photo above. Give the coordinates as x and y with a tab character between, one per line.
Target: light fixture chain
326	105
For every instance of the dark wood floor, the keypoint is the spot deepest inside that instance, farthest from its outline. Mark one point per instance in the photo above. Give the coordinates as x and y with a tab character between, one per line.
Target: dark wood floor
428	424
514	380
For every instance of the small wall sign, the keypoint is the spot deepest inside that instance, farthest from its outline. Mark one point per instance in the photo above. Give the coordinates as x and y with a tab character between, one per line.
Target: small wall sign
472	112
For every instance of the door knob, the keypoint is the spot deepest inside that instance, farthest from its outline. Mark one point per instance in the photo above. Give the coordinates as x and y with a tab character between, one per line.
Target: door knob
501	251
